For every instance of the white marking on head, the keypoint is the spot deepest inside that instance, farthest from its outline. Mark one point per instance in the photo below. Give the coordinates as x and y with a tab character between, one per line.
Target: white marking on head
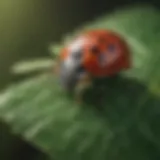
77	44
70	63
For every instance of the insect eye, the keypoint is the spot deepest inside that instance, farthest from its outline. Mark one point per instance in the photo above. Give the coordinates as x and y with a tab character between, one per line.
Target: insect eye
77	54
80	69
111	48
94	50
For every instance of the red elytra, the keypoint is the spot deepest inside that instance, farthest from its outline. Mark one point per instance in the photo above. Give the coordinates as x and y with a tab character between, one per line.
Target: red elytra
105	52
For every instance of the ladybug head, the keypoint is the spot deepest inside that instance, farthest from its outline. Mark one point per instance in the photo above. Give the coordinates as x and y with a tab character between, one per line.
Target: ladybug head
71	68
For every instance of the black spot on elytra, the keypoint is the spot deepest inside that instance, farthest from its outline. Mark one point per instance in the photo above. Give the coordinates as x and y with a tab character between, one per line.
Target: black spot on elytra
94	50
111	48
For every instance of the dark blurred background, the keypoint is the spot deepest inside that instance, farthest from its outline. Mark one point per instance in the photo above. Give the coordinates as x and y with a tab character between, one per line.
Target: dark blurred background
27	27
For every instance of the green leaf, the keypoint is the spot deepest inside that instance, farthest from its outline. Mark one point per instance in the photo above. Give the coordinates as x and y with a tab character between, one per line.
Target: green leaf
120	118
24	67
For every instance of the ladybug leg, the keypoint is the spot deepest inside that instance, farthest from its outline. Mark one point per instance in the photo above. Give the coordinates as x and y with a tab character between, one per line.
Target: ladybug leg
84	83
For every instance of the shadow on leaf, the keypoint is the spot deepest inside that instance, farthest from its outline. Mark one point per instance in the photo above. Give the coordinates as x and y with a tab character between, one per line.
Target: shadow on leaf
126	104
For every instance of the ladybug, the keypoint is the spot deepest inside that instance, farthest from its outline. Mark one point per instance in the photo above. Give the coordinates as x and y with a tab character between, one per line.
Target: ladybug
95	53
